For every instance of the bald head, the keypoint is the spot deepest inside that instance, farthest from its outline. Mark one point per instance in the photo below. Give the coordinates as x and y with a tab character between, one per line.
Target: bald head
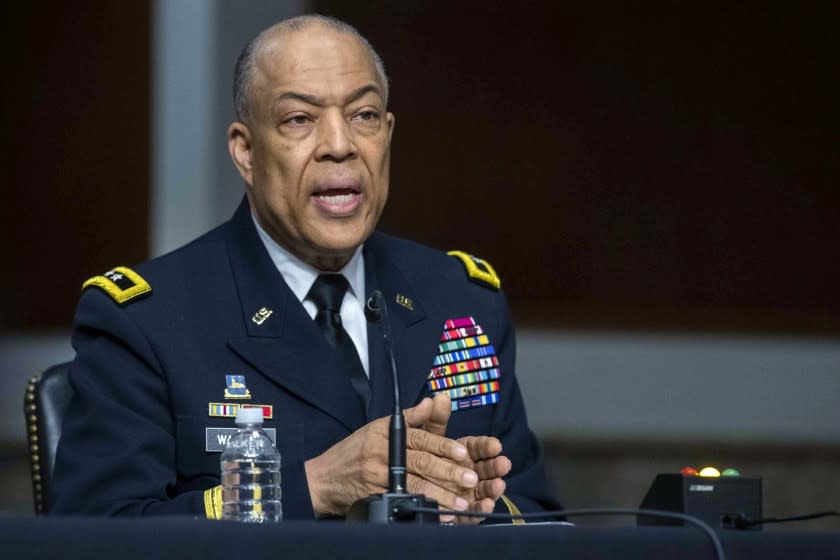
247	63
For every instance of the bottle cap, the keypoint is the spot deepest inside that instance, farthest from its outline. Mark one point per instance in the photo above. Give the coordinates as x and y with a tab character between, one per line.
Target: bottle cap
251	415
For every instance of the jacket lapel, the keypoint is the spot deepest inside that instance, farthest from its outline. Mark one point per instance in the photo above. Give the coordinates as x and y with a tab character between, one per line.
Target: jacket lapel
413	336
382	400
282	342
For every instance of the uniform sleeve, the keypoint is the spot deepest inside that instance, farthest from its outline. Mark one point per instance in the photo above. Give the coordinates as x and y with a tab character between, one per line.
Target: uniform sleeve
116	455
527	488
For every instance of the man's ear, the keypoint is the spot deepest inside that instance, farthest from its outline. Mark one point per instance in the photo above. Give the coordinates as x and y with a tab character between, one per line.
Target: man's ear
241	150
392	121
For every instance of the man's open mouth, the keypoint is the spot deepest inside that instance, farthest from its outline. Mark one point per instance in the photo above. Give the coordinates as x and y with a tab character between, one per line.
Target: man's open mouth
338	201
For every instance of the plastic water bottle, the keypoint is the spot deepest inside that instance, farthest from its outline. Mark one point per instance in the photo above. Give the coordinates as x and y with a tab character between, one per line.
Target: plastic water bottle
251	472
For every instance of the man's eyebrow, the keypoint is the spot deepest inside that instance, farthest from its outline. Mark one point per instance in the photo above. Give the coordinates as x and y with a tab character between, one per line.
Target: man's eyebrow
305	97
354	95
358	93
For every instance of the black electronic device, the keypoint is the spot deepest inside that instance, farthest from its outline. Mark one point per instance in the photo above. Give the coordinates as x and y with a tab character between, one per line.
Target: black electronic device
719	501
397	504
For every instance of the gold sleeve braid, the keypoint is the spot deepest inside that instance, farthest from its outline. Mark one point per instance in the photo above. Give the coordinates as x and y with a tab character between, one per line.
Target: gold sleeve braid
513	510
213	502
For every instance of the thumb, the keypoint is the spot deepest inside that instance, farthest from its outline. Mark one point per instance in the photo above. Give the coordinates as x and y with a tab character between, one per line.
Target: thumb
439	417
419	414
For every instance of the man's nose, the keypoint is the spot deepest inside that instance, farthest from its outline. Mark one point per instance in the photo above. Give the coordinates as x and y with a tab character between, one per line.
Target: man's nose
335	138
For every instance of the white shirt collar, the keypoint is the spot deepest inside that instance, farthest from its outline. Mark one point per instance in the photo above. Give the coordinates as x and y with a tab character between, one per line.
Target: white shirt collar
300	276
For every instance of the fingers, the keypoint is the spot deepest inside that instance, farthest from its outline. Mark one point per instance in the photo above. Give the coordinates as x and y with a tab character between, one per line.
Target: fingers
496	467
439	417
490	489
421	440
445	473
445	498
482	447
479	506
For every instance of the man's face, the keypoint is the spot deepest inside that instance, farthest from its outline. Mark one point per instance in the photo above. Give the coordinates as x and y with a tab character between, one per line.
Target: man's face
315	148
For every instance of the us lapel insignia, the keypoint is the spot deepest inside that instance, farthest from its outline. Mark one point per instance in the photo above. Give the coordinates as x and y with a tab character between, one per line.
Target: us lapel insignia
229	410
235	387
466	366
405	302
261	315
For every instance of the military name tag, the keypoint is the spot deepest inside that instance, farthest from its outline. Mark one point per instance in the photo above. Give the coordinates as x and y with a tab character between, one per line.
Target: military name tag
216	438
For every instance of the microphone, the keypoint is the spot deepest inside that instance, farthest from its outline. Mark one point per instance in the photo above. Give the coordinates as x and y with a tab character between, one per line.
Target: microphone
396	505
376	311
375	307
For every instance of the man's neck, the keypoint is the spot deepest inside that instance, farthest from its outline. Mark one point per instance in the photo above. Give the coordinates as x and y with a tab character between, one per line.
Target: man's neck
328	264
299	274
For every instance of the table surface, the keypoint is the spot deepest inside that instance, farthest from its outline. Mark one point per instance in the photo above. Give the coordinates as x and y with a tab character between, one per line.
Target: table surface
181	537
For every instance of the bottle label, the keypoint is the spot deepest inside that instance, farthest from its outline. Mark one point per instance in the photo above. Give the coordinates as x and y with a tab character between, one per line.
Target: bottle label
217	438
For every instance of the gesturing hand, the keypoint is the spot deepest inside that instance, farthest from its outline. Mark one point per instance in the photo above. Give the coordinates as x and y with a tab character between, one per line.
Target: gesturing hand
357	466
483	458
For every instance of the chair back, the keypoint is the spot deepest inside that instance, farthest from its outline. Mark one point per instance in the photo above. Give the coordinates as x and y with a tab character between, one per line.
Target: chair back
45	403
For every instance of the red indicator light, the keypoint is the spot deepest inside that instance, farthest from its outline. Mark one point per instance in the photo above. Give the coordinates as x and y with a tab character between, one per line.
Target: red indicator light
688	471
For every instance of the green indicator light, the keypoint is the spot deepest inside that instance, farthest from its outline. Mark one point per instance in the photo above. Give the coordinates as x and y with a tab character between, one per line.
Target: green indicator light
730	472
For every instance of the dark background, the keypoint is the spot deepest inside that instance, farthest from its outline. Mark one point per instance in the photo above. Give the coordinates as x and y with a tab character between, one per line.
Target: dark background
662	167
75	152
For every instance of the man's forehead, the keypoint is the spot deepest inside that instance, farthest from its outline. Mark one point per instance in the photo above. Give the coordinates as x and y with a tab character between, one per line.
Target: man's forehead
315	56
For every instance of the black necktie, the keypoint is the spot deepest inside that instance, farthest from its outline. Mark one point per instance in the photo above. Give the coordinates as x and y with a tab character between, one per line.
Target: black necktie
327	293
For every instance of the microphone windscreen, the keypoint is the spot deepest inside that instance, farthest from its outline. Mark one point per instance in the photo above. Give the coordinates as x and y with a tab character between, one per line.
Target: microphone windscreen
373	307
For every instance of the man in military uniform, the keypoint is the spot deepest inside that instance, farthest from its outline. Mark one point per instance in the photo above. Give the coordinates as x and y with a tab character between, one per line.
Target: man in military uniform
267	311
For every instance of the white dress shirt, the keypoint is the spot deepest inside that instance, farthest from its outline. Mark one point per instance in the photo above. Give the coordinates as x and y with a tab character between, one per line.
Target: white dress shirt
300	276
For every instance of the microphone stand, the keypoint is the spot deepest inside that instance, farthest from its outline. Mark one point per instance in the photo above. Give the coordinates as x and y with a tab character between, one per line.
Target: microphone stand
396	505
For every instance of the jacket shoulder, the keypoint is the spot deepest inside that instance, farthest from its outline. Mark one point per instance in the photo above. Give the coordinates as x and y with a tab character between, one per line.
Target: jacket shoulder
425	262
126	285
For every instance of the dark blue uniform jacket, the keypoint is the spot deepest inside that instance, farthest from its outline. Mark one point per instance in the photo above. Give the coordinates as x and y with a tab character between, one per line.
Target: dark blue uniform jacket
133	441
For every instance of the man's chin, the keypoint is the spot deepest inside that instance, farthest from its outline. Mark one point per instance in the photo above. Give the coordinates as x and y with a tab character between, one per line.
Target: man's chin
331	254
340	240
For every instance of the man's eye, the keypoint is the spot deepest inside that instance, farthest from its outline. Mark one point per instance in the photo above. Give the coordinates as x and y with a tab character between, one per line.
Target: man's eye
298	120
366	116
